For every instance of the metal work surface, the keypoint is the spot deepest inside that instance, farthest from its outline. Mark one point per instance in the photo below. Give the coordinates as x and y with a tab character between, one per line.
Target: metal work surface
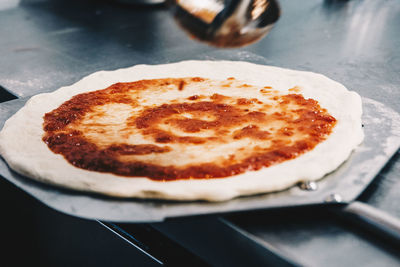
45	44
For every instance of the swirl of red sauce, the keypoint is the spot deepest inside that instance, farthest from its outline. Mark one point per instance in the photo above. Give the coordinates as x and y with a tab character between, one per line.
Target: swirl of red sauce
199	120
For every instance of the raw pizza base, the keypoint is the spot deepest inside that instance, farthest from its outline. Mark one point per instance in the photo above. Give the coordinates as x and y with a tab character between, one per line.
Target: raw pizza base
22	147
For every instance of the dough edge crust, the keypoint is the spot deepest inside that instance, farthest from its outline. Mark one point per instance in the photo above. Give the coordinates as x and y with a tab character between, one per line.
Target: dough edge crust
23	149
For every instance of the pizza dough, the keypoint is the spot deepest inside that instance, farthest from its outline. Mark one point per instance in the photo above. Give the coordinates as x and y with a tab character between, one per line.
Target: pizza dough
21	143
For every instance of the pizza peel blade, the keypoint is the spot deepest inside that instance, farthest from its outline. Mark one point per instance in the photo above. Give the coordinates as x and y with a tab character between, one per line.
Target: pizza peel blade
343	186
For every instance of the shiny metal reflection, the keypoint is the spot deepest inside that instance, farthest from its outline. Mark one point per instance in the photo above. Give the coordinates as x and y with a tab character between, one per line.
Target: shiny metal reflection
334	198
232	23
308	185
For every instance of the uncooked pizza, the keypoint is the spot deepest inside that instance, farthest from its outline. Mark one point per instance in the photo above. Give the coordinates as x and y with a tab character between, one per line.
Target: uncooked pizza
210	130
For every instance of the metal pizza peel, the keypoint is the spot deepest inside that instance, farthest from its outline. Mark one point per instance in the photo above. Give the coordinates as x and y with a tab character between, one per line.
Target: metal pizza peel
341	187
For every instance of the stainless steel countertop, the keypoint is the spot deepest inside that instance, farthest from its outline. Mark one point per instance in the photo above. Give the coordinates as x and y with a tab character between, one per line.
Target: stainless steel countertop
48	44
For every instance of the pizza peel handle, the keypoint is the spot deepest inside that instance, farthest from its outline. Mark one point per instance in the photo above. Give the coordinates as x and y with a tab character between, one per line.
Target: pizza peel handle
376	220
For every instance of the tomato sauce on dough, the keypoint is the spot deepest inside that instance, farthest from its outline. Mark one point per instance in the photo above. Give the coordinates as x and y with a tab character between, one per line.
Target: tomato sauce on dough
184	128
